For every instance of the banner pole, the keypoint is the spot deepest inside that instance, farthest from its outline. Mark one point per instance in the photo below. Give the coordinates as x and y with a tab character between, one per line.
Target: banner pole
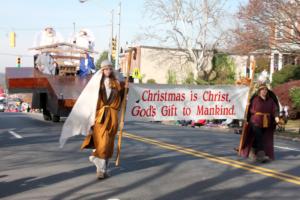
245	124
123	108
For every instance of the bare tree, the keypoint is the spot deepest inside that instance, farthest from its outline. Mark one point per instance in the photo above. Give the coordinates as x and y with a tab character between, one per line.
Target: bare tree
249	35
195	27
279	19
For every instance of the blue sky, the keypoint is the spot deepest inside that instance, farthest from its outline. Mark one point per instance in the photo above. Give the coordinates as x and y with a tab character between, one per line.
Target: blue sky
28	17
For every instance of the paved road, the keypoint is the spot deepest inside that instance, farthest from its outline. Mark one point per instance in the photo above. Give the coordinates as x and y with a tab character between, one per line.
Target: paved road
158	162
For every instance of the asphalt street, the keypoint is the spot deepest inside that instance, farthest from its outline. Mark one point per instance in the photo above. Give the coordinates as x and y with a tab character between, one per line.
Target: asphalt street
157	162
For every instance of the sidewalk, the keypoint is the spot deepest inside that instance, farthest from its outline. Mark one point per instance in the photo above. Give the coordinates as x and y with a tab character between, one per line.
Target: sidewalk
291	130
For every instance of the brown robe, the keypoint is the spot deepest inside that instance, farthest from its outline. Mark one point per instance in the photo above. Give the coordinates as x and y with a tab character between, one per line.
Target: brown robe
103	132
257	105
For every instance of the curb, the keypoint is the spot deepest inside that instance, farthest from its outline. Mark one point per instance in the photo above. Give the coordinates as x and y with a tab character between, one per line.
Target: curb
230	130
295	139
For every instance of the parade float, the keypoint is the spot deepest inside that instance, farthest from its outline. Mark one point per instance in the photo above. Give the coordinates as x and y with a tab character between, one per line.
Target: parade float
60	72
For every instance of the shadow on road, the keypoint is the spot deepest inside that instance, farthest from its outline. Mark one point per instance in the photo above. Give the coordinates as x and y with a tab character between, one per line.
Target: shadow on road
31	183
140	157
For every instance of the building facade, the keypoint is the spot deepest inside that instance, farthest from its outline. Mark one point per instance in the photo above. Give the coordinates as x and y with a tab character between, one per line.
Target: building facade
156	63
283	50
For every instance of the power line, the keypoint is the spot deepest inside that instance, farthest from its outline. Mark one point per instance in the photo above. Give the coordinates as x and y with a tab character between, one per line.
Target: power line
62	27
11	54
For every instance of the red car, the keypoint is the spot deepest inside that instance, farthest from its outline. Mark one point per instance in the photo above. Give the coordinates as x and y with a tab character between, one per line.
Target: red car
200	122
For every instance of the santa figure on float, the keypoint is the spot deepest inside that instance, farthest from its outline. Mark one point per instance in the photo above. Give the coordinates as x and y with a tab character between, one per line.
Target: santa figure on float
47	36
44	61
85	39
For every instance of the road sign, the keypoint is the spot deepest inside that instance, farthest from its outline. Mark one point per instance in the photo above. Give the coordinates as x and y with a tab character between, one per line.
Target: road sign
136	73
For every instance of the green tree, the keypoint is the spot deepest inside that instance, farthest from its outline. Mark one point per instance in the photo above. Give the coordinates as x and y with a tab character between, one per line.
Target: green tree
171	77
103	56
224	66
287	73
295	96
189	79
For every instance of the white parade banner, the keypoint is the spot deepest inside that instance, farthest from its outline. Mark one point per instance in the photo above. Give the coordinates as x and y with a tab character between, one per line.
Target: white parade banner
158	102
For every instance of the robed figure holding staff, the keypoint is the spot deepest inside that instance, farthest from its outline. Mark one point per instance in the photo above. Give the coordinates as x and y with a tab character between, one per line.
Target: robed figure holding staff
262	117
95	114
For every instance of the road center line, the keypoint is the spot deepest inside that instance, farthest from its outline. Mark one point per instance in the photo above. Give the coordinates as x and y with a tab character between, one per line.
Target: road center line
287	148
222	160
16	135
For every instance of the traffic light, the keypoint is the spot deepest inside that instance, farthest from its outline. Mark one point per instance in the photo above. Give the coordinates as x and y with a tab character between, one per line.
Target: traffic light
12	39
113	48
18	62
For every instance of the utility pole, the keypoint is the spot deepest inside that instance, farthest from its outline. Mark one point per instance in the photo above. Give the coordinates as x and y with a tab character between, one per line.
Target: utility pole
112	35
118	38
74	28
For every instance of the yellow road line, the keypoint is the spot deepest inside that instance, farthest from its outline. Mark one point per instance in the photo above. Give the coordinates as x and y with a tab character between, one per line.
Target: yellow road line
218	159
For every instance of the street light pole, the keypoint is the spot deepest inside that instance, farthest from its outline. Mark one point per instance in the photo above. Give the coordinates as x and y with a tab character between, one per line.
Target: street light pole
118	39
74	28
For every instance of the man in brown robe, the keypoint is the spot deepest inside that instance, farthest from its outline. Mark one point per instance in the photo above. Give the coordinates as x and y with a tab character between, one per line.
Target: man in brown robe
103	133
262	118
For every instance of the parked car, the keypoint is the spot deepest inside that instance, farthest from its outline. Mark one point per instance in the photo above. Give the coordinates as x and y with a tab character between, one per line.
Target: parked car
200	122
184	122
2	105
12	108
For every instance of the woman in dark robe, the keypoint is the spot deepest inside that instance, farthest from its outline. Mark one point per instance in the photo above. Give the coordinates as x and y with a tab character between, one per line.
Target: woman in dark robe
262	118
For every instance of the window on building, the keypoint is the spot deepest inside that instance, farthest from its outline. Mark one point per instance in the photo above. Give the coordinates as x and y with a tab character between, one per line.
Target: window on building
276	61
285	59
248	71
297	60
289	59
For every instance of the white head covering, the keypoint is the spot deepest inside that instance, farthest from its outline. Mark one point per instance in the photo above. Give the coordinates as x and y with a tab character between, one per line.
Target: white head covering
106	63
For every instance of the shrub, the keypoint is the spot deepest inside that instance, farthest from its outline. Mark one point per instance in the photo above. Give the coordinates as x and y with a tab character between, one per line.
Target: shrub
151	81
295	96
225	68
200	81
287	73
189	79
